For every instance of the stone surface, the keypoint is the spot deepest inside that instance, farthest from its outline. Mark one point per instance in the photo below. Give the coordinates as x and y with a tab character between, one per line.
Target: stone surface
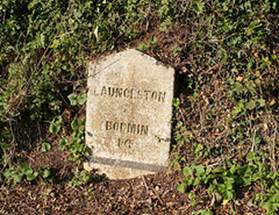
128	115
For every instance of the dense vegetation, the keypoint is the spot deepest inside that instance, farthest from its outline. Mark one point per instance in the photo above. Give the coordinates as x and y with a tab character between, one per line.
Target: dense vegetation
226	112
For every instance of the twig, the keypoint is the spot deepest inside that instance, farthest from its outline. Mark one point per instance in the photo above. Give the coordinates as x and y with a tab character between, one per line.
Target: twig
144	183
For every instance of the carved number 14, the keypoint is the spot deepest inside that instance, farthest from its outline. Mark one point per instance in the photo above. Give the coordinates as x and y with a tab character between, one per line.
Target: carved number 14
124	143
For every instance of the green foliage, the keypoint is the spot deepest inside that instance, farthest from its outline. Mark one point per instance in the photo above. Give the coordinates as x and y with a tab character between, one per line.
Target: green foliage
45	147
176	103
198	150
77	99
143	46
226	180
198	7
147	45
232	110
203	212
80	178
63	143
270	201
44	48
25	172
76	146
165	13
55	125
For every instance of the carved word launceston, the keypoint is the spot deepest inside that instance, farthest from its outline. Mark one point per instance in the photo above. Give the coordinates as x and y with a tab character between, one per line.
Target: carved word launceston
132	93
126	127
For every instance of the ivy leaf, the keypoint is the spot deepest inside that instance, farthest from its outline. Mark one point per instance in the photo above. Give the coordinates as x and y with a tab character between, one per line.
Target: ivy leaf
261	102
187	171
251	105
17	178
143	47
55	125
62	143
198	7
54	128
199	170
73	99
45	147
33	176
75	124
46	173
181	187
81	99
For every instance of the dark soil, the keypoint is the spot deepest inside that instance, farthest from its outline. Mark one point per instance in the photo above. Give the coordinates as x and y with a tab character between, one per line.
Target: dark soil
144	195
153	194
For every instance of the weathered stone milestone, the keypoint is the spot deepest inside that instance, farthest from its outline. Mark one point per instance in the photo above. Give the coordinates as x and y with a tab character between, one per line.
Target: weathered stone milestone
128	114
